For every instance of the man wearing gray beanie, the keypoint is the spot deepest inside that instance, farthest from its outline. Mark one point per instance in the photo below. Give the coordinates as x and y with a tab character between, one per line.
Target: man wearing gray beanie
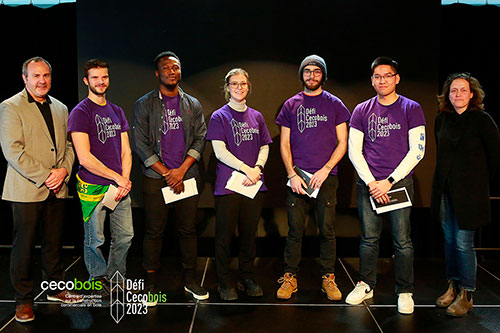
313	141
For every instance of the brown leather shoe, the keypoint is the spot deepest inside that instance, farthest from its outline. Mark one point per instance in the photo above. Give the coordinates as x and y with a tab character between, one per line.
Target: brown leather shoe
288	286
329	287
462	304
66	297
448	297
24	313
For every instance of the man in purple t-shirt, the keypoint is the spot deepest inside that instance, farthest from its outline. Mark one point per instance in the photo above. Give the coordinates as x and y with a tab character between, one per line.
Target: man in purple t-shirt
314	139
168	135
386	142
99	132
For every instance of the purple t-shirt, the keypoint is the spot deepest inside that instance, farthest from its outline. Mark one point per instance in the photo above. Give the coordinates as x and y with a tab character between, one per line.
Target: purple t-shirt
104	125
312	121
385	131
243	133
173	143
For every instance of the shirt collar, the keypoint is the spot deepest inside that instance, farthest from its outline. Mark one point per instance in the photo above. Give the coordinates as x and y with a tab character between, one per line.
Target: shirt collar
32	100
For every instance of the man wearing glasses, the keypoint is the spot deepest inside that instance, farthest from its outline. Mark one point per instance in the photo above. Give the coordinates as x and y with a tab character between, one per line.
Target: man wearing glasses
313	139
169	136
386	142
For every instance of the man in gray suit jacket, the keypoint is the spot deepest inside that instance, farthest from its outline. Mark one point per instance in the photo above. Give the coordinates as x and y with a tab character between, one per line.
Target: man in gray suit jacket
39	156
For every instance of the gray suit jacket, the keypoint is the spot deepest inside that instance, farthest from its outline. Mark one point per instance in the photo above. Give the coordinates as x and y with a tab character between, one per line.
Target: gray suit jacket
29	149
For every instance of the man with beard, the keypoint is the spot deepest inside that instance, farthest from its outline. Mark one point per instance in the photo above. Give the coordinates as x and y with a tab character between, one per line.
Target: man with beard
39	162
313	139
99	132
169	136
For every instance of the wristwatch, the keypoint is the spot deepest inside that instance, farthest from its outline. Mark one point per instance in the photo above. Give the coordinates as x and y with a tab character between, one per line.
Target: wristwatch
260	167
391	180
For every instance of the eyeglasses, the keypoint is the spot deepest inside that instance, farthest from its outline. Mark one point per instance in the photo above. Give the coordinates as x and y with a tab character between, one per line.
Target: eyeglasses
316	72
386	77
235	85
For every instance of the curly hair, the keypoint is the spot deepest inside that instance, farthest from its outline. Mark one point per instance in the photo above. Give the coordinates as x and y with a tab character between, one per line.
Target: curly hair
476	102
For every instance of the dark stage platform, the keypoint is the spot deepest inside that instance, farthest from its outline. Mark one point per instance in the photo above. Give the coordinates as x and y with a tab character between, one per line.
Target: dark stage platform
307	311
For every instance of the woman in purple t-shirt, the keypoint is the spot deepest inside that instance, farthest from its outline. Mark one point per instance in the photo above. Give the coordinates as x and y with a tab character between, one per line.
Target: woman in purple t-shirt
240	140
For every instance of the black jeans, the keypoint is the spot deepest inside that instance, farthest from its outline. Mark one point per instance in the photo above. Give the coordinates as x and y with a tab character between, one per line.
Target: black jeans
26	217
156	213
232	210
324	208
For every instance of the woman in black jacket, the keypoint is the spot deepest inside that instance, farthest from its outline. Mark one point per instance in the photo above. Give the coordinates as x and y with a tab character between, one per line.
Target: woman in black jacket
468	156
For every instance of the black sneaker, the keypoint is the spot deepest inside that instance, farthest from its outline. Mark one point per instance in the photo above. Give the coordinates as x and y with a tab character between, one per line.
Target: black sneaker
227	294
196	291
250	288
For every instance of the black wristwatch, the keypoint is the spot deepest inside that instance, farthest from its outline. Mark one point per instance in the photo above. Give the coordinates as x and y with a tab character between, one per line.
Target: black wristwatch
260	167
391	180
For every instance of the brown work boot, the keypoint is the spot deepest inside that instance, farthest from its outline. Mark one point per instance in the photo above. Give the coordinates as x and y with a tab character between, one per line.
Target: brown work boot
329	287
24	313
288	286
462	304
448	297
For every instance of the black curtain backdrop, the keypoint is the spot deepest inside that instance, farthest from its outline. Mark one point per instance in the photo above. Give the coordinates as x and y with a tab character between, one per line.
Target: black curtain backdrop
269	39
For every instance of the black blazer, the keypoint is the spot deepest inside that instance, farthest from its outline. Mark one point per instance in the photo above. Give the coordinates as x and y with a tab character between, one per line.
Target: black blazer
468	156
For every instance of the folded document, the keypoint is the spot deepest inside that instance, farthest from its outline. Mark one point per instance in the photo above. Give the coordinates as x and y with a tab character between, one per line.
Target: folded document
190	189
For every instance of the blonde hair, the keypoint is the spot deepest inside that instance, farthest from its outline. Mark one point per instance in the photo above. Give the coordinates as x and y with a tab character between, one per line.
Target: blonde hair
235	71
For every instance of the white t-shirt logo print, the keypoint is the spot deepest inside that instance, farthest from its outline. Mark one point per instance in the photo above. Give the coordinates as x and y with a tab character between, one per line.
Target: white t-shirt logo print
372	126
236	132
301	118
101	129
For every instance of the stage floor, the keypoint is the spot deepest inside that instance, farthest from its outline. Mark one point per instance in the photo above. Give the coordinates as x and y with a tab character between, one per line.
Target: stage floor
307	311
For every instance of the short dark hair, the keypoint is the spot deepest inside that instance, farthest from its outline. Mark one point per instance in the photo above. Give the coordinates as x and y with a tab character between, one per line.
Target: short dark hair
163	55
476	102
34	59
93	63
385	61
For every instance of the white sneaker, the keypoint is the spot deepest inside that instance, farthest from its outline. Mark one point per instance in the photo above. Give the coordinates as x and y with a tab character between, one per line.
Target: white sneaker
361	292
405	303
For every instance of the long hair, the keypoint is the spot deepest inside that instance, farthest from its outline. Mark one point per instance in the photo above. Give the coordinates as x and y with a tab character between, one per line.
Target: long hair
476	102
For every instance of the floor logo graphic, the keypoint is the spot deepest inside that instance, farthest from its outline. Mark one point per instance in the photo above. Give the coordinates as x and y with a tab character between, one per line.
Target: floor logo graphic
117	297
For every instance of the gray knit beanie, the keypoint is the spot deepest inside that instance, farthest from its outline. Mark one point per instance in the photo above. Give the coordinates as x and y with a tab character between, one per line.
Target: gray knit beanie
313	60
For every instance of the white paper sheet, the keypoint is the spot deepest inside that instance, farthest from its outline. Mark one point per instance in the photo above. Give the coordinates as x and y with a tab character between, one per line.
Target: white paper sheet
109	198
190	189
234	183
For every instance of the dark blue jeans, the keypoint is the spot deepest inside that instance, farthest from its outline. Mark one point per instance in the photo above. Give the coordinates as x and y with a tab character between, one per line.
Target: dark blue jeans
461	262
324	209
371	226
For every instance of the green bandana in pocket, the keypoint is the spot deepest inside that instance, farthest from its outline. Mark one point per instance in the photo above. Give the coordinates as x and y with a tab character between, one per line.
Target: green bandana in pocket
90	195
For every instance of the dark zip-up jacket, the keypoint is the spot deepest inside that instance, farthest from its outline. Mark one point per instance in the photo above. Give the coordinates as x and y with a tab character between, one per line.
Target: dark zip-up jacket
148	114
